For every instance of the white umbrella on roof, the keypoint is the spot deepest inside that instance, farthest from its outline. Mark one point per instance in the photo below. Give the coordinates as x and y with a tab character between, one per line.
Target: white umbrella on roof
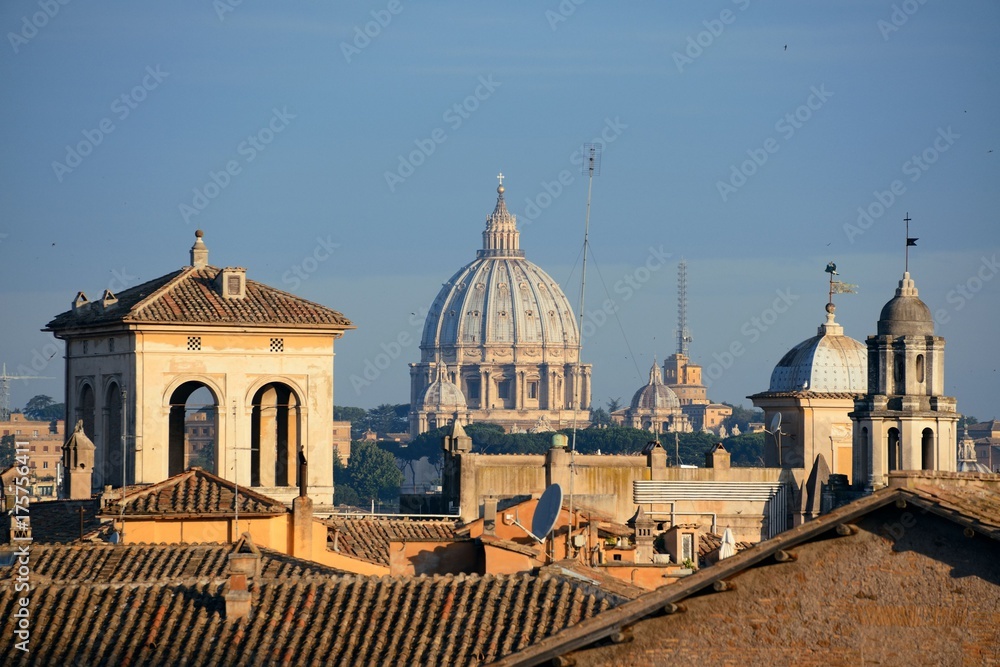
728	547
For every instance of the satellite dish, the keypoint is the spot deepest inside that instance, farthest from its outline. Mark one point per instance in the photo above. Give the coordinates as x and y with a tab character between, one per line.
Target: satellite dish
547	511
776	422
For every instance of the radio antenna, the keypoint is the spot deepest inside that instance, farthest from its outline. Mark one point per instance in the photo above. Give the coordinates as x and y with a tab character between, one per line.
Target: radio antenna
592	167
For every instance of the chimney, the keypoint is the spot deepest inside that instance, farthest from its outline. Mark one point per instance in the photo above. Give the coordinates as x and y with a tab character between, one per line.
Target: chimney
199	252
717	457
490	515
643	536
80	301
302	515
78	461
557	462
656	460
244	565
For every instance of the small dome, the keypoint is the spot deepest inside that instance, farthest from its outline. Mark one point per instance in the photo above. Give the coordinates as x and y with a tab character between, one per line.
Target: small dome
905	314
655	395
442	394
829	362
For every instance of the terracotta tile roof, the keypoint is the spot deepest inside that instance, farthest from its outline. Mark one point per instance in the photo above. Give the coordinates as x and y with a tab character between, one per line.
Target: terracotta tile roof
969	500
974	506
368	539
806	394
596	576
194	492
57	521
152	619
155	563
190	296
709	542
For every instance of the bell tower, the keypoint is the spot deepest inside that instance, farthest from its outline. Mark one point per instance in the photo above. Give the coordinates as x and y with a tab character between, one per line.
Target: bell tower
904	421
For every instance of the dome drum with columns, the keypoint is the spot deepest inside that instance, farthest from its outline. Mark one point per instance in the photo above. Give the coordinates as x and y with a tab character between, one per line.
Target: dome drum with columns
500	344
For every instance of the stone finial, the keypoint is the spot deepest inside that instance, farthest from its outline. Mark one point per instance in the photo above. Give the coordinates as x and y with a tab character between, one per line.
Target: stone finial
199	251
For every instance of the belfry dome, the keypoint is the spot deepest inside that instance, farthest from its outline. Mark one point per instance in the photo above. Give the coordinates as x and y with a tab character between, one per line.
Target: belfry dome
500	298
829	362
905	314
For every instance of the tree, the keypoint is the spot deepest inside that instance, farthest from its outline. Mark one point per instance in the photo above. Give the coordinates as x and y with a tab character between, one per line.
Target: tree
357	417
600	417
967	420
746	449
372	472
388	418
614	404
43	408
742	417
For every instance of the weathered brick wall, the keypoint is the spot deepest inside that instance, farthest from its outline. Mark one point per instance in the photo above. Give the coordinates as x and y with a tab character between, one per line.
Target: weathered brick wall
908	589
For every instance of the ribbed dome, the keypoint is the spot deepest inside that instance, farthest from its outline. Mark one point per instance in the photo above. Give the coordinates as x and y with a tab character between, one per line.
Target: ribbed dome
442	394
655	395
905	314
829	362
500	297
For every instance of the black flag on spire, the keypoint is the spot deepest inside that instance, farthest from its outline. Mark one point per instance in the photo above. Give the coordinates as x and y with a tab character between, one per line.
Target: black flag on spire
911	241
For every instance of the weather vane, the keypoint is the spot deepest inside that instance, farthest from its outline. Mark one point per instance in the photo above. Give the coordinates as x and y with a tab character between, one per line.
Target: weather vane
837	286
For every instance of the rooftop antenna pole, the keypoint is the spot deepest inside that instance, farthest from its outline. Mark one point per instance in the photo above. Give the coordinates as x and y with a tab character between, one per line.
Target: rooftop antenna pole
683	336
121	518
592	167
236	486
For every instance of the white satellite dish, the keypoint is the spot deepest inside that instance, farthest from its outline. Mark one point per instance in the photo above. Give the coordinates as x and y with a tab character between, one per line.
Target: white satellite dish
776	422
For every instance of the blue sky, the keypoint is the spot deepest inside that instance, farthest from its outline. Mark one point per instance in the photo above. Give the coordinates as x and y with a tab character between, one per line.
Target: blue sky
357	169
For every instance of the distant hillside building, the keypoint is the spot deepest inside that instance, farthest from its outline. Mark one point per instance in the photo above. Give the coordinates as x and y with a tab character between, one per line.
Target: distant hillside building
44	441
500	344
654	408
685	380
262	357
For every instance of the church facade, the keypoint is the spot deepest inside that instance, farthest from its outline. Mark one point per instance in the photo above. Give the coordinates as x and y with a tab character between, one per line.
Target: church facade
255	363
500	344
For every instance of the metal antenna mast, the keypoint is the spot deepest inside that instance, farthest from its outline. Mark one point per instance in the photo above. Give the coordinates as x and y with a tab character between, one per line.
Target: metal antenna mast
683	335
591	167
5	390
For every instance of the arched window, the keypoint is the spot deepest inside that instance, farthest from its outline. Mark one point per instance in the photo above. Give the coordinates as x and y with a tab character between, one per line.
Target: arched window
894	457
274	437
927	450
85	410
920	368
865	461
193	409
110	455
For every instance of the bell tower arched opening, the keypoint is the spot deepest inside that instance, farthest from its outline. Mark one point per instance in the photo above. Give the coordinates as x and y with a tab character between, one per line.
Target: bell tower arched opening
275	436
193	428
